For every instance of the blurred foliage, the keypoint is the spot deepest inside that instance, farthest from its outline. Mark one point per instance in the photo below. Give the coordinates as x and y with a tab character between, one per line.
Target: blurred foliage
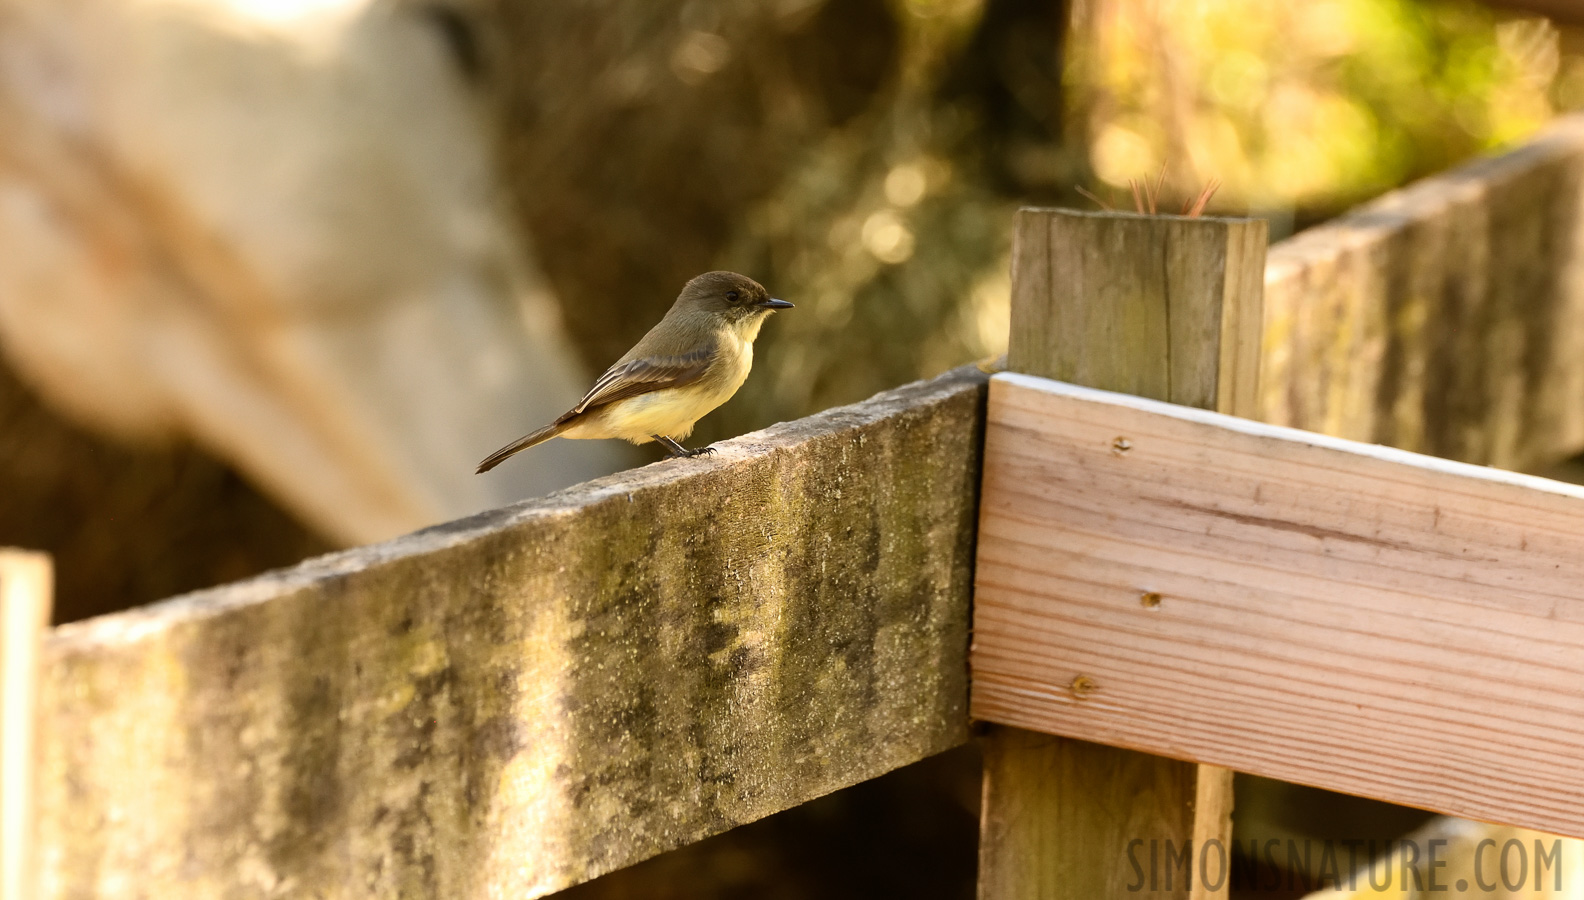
847	153
863	158
883	233
1305	109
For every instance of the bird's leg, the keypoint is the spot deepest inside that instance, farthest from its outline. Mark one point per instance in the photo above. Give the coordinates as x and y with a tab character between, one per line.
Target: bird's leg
678	451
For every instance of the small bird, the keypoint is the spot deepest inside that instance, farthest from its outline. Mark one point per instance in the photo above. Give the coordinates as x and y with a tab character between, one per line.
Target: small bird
694	360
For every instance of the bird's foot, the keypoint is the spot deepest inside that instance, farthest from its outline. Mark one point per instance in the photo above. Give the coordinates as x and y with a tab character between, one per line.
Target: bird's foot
677	451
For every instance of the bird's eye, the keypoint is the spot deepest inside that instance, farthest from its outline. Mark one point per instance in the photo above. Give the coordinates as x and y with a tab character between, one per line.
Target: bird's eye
731	296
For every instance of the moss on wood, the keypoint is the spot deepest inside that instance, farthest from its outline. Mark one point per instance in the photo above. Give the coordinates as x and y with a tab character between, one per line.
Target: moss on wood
512	703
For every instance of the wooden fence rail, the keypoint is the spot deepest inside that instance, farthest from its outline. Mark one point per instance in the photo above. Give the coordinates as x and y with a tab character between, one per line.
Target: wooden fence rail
517	702
1445	318
25	600
1312	609
513	703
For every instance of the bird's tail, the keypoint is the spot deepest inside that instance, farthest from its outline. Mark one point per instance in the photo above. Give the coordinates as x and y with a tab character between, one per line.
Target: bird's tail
522	443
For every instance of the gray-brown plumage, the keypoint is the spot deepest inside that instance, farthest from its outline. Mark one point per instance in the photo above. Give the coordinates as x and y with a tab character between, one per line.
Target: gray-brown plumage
686	366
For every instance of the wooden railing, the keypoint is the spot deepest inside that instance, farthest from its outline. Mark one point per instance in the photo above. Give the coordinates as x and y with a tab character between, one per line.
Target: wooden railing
518	702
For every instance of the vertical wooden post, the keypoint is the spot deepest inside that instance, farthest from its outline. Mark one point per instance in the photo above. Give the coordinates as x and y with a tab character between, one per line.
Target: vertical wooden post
25	591
1161	307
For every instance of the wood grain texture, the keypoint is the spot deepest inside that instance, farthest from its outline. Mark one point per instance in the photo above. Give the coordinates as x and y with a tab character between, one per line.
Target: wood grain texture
1445	318
1135	304
1054	809
25	592
513	703
1210	876
1169	308
1311	609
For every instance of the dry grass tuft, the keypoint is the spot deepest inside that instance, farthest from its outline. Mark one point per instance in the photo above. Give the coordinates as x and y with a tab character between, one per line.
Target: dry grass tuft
1147	196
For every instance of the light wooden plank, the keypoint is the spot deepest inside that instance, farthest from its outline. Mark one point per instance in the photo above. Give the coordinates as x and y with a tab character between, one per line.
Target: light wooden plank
510	704
25	592
1169	308
1344	615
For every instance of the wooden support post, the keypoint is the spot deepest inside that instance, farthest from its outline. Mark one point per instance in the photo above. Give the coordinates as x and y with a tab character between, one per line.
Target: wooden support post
1170	309
25	591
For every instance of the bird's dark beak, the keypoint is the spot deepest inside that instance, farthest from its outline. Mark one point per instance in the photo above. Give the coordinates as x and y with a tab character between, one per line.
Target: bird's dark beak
774	304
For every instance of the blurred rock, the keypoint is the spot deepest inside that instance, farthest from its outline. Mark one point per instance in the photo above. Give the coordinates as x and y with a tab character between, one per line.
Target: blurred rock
270	226
275	227
130	525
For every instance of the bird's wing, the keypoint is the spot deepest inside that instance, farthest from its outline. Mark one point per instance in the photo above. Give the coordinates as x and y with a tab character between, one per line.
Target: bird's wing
643	375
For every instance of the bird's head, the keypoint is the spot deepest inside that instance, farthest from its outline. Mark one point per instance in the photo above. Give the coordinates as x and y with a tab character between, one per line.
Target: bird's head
736	298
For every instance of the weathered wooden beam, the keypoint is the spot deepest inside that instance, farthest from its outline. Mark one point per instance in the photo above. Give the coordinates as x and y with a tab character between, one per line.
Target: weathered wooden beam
1445	318
25	592
516	702
1169	308
1307	608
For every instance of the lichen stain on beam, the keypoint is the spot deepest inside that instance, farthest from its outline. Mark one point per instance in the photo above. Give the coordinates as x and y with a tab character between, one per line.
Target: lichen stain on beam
520	701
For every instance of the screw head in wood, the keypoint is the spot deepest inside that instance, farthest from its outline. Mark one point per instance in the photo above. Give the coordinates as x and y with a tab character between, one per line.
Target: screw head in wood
1082	686
1121	445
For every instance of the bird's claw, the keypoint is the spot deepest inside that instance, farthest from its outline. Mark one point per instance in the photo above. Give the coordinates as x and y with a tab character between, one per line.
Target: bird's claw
675	450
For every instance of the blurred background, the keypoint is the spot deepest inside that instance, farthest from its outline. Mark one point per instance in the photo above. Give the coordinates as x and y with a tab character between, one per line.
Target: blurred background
274	274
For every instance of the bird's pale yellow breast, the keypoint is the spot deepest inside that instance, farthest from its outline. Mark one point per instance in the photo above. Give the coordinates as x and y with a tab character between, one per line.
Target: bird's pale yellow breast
674	411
